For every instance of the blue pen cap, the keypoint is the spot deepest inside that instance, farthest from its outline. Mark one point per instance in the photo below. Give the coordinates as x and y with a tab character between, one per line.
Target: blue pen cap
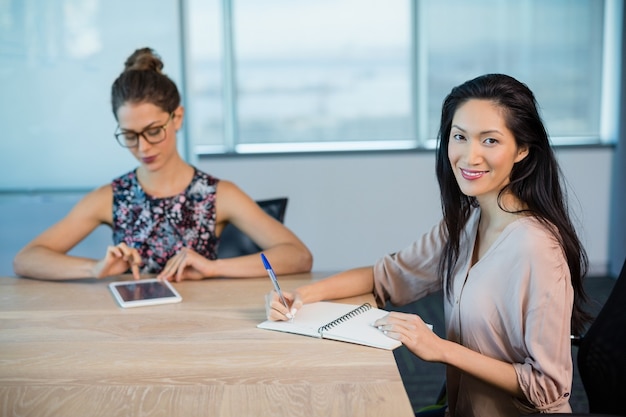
265	262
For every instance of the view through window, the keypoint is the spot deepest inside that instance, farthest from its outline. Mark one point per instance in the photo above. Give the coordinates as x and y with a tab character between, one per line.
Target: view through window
280	76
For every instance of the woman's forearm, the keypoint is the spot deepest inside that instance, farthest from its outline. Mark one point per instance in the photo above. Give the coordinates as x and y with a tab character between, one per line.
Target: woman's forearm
285	259
492	371
43	263
345	284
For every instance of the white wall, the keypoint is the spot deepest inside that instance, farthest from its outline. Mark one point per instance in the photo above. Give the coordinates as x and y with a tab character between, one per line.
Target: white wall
349	209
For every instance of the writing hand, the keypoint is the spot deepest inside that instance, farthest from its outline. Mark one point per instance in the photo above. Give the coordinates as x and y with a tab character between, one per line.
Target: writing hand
276	311
416	335
117	260
186	264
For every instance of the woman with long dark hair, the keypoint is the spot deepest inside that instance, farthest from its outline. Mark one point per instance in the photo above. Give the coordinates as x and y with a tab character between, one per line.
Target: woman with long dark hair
505	255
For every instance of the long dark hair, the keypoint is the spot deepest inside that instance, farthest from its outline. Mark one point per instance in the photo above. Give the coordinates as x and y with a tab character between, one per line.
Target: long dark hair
143	81
535	180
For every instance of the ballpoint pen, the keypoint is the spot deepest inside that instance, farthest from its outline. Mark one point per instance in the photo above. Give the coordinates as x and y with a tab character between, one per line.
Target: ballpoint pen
272	275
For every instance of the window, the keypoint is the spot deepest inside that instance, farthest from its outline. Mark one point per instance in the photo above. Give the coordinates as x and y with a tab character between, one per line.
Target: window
290	76
321	75
205	60
58	59
555	47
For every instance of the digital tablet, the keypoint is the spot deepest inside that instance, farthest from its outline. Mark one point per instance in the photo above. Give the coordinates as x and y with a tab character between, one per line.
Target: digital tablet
144	292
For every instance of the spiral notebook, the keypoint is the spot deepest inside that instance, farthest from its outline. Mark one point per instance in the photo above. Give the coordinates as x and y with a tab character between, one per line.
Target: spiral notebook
344	322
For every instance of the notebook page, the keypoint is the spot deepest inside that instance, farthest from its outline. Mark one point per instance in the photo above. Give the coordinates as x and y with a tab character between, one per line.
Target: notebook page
359	329
310	317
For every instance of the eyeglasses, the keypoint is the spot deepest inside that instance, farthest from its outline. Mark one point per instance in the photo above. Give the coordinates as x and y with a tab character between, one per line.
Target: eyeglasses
152	135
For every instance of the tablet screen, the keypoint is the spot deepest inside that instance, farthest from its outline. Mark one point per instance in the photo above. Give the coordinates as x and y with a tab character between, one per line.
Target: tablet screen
144	292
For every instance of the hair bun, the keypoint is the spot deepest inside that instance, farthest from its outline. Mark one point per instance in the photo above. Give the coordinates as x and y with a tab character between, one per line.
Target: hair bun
144	59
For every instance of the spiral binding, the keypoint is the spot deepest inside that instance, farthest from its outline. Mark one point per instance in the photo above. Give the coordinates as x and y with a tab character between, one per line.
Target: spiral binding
360	309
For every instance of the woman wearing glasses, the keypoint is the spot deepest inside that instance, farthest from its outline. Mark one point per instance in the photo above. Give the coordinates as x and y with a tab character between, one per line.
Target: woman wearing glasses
166	215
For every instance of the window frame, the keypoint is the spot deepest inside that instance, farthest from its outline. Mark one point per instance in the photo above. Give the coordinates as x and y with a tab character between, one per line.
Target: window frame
609	102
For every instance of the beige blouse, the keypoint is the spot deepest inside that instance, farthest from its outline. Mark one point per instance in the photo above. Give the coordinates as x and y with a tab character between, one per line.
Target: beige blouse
515	304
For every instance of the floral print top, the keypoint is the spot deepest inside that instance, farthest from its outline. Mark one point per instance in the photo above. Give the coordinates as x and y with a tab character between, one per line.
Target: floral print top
159	227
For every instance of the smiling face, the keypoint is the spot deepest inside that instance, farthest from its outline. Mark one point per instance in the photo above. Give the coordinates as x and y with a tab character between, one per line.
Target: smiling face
482	150
147	118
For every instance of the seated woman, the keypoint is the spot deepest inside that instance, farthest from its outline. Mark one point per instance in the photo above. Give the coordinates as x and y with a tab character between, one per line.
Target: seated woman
166	215
505	255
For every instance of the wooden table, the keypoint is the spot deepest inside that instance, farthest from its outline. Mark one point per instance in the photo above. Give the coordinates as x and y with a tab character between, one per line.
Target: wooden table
67	349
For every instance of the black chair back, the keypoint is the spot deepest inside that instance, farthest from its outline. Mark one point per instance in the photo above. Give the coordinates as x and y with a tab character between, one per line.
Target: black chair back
233	242
602	354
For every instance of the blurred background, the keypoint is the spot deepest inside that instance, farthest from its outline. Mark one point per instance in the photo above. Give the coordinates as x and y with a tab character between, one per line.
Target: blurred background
332	103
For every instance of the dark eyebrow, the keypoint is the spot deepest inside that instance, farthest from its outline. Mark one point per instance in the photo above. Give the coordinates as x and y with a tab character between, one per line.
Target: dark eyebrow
142	130
485	132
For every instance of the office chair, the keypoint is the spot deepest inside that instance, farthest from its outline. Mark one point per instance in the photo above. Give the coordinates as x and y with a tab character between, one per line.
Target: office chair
438	408
602	356
233	242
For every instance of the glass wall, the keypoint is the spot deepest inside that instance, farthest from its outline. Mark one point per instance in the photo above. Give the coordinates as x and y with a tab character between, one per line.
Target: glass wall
555	47
58	59
372	74
289	76
322	71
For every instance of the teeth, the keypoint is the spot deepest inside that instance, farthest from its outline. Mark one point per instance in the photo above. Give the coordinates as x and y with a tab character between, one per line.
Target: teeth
472	174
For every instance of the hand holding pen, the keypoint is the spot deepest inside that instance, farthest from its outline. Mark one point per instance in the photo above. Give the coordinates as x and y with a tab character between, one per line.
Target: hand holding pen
289	312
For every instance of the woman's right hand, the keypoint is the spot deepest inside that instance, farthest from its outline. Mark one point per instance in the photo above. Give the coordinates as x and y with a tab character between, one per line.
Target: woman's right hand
117	261
276	311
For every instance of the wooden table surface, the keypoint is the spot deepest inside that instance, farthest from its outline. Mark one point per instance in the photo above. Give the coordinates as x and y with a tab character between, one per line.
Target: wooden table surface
67	349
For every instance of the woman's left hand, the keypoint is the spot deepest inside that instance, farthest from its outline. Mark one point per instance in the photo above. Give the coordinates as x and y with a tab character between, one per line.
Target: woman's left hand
186	264
416	335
